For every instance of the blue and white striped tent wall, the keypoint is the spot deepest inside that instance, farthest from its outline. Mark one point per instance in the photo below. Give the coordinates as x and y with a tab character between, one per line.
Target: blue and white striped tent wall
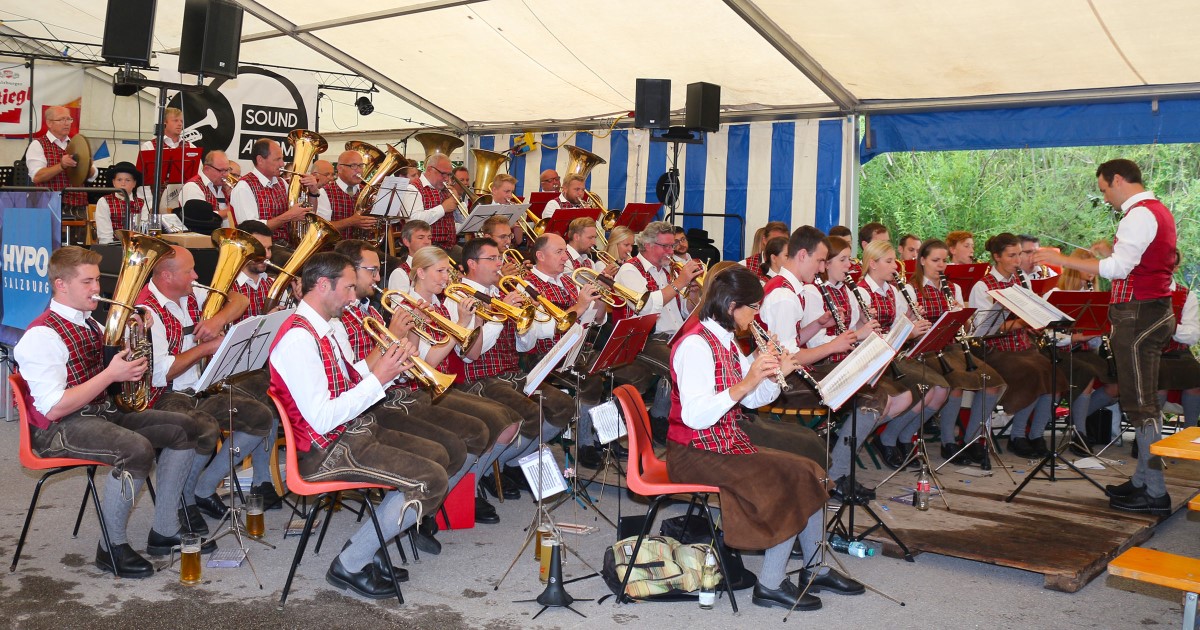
792	171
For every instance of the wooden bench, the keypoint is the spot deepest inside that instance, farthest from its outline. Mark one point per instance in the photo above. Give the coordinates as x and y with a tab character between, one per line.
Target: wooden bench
1194	503
1164	569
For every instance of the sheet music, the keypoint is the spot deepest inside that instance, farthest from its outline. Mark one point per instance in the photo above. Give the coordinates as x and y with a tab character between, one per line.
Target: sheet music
396	198
868	359
570	339
244	348
901	329
1029	306
543	474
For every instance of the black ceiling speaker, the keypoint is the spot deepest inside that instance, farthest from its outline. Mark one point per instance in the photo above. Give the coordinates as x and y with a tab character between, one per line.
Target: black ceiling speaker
129	31
211	39
121	87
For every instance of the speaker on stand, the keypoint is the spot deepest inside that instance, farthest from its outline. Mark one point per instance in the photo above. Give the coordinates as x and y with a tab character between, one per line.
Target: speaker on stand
652	104
211	38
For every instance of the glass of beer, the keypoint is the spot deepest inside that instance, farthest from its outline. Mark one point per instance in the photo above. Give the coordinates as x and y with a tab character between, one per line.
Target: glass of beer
255	528
189	558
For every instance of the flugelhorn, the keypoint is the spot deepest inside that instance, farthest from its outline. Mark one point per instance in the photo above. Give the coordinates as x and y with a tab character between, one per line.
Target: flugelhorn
234	247
492	308
603	256
610	292
430	325
563	320
317	233
677	268
437	382
513	257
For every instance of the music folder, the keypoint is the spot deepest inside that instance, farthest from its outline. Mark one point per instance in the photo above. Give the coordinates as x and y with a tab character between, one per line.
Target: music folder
1031	307
562	218
628	338
178	164
943	332
537	201
965	276
244	348
481	213
395	199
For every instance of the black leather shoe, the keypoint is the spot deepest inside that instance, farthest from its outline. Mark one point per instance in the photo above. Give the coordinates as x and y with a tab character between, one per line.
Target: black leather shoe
1126	489
619	451
271	499
1040	448
1020	447
1142	502
212	506
368	582
485	513
424	539
834	582
977	453
385	571
589	457
129	563
159	545
514	478
949	450
842	490
192	520
892	457
786	596
488	483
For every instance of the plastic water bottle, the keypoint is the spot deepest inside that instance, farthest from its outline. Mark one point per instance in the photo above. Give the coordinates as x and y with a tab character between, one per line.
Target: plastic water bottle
856	548
921	494
708	580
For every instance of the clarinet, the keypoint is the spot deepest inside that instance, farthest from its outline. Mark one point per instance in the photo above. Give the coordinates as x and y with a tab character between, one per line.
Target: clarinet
920	313
826	297
963	342
869	314
766	343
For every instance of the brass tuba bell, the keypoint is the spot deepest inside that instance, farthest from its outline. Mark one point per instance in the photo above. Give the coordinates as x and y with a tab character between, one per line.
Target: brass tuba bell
438	142
317	233
487	167
234	248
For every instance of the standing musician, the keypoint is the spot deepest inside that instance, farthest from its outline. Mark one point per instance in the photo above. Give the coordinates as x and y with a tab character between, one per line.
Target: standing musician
334	415
620	247
172	131
875	404
415	235
581	238
962	247
1009	348
112	209
573	195
437	203
61	358
550	181
910	247
937	296
430	276
754	262
47	159
705	444
336	203
1142	319
1031	268
1180	370
261	195
210	184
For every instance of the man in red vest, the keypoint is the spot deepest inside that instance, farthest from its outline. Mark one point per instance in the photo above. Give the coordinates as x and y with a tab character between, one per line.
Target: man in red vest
48	162
261	195
336	203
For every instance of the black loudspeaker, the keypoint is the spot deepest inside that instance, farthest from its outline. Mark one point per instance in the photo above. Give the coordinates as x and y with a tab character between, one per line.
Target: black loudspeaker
703	107
653	104
211	39
129	31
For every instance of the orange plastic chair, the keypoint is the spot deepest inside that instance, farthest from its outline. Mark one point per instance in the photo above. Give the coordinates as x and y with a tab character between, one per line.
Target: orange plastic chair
53	466
326	493
647	475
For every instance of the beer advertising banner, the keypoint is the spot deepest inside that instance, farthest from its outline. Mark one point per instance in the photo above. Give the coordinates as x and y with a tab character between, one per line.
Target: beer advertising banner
30	230
52	85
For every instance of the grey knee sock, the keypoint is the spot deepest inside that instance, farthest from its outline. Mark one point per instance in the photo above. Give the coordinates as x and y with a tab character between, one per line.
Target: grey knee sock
1149	472
1020	421
842	451
774	567
896	427
1191	408
458	475
1099	400
810	538
981	408
949	417
192	477
364	543
1040	417
207	482
261	455
1079	412
117	508
173	467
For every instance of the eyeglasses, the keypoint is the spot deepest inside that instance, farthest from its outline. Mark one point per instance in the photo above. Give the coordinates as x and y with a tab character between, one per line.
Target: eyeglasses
552	179
220	170
491	258
67	119
443	173
671	244
371	270
754	307
353	166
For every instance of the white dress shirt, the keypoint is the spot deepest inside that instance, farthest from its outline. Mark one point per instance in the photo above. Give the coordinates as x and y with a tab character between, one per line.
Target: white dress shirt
43	357
35	156
194	190
1135	232
553	205
428	215
869	284
1187	332
245	205
781	311
325	208
398	279
297	359
103	217
163	360
989	314
547	330
695	369
671	314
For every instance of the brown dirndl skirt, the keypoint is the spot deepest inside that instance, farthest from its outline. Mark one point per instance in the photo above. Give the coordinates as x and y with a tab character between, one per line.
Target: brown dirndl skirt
1178	370
1082	367
766	497
1028	375
921	377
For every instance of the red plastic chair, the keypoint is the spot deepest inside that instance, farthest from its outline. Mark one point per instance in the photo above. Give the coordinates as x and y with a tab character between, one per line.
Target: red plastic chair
53	466
326	492
647	475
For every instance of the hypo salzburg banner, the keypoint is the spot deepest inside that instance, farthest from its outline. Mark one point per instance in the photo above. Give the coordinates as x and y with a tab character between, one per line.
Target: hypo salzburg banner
230	114
30	230
52	85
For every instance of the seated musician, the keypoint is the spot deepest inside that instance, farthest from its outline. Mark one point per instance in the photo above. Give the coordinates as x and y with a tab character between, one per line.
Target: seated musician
415	235
573	195
681	255
211	184
1031	268
581	238
503	189
910	247
491	367
61	358
774	254
867	234
496	227
333	414
1009	348
755	261
962	247
929	388
1179	369
112	210
979	377
261	195
1086	365
875	404
336	202
620	247
705	445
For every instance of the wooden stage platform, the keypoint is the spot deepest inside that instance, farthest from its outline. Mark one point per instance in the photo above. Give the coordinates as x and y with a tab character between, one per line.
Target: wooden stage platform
1063	529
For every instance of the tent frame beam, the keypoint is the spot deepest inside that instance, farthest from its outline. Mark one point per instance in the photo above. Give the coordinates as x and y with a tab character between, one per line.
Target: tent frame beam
336	55
351	20
1031	99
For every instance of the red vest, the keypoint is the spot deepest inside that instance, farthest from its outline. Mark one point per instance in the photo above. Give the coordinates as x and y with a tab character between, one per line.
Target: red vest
651	285
884	305
85	356
340	380
118	210
1014	341
360	341
257	297
933	302
208	193
1180	293
840	296
564	296
54	156
1151	278
725	436
272	202
341	204
442	231
174	328
501	358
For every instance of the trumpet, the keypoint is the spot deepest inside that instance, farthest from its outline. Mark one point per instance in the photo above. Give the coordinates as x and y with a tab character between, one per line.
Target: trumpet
436	381
531	225
230	179
430	325
603	256
677	268
493	309
455	272
609	291
513	257
563	320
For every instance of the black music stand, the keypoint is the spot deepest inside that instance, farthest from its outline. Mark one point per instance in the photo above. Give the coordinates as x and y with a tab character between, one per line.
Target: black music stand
480	214
1090	310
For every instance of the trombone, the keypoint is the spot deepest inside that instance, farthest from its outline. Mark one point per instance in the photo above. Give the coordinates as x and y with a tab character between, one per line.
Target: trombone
430	325
437	382
493	309
532	226
563	320
609	291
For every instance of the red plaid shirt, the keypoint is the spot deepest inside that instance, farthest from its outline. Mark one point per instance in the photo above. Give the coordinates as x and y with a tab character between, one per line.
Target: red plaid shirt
118	209
341	204
272	202
54	155
563	295
174	328
726	436
1013	341
341	380
755	264
85	348
257	296
442	231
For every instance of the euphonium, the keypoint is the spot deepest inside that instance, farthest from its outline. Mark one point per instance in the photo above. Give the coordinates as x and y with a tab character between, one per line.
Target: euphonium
235	247
431	325
563	320
494	309
306	146
376	166
610	291
140	255
436	381
317	233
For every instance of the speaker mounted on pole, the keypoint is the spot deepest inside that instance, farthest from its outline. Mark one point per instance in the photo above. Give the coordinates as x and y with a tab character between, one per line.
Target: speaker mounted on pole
703	107
129	32
211	39
652	104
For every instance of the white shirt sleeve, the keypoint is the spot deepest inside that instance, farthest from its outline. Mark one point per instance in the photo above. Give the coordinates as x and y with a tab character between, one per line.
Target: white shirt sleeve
550	208
35	158
628	276
1188	330
245	206
702	406
781	312
989	314
43	358
398	280
1135	232
428	215
294	358
103	218
324	208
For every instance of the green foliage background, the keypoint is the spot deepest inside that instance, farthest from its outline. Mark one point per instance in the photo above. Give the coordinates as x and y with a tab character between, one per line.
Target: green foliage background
1049	192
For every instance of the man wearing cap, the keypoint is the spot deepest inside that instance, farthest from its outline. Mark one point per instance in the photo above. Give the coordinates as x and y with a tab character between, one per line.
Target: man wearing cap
114	209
